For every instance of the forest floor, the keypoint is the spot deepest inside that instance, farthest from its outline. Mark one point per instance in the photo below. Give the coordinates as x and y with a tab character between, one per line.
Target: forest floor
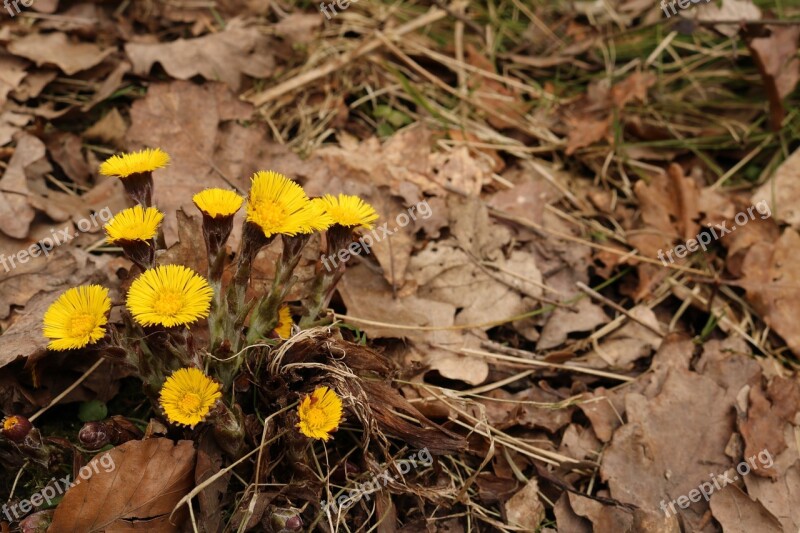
582	291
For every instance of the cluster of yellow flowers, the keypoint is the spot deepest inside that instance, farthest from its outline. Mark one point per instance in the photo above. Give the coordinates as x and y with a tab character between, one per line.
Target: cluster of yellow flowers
169	296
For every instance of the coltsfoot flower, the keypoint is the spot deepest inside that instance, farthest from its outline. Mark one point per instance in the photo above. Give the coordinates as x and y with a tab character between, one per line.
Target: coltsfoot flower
77	318
170	295
136	172
218	203
284	327
278	205
347	210
126	165
188	395
134	224
320	414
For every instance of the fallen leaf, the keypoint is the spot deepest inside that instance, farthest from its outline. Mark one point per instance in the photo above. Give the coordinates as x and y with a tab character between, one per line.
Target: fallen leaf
781	193
777	61
619	350
57	49
779	498
12	71
737	513
16	213
633	88
524	509
109	130
772	281
298	28
223	56
33	84
66	150
148	479
445	273
768	413
602	517
585	131
567	519
562	322
10	123
658	456
725	10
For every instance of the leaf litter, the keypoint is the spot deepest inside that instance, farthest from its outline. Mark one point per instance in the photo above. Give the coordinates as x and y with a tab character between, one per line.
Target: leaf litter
571	379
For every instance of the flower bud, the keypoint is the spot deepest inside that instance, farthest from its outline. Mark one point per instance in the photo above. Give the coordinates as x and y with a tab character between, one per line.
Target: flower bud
38	522
95	435
115	431
16	428
285	519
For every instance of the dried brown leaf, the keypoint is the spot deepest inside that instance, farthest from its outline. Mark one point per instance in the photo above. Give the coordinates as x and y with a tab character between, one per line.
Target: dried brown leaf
148	479
58	49
225	56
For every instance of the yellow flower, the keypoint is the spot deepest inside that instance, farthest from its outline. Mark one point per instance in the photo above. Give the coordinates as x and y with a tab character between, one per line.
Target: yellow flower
77	317
320	414
347	210
125	165
284	327
218	202
188	395
134	224
280	206
169	295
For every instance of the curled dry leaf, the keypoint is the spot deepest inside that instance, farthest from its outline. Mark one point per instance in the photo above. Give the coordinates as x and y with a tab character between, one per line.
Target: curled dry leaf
148	479
57	49
224	56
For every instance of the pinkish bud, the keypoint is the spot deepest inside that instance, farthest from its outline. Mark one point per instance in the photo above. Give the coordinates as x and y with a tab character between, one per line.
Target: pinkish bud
16	428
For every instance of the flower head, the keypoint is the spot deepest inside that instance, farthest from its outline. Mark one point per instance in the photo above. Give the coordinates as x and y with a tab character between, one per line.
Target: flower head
170	295
347	210
320	413
134	224
284	327
188	395
77	317
280	206
218	203
16	428
125	165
